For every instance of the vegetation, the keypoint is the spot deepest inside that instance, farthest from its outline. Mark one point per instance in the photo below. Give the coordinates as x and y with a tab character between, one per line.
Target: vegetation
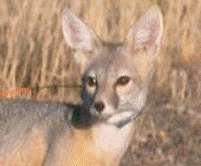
33	54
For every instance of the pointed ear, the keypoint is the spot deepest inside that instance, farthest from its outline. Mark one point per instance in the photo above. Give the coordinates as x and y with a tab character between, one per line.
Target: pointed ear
80	37
147	31
143	40
76	33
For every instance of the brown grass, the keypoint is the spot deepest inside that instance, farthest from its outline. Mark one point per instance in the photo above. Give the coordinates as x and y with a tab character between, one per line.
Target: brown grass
33	52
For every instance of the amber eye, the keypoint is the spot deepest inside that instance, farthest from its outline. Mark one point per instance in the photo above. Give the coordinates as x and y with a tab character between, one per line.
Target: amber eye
123	80
91	81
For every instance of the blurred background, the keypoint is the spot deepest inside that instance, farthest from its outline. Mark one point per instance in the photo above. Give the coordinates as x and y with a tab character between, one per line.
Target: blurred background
33	54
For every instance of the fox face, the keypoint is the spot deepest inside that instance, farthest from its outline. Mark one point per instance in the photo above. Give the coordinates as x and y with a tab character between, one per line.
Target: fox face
115	75
112	83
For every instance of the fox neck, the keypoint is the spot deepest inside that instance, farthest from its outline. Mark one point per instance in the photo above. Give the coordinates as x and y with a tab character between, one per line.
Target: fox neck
87	126
106	143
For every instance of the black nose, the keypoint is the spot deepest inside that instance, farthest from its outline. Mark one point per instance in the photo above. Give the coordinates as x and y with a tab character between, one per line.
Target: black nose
99	106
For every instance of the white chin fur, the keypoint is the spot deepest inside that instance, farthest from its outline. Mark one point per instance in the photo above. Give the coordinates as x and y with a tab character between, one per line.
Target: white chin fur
115	119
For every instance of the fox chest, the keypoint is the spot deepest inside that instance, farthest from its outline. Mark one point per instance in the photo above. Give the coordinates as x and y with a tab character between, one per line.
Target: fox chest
111	139
102	145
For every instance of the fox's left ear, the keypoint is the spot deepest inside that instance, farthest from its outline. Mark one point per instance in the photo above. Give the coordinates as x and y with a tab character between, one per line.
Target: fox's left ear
143	39
147	31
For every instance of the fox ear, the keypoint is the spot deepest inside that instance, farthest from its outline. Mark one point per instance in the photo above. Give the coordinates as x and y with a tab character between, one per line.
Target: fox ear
76	33
147	31
80	37
143	39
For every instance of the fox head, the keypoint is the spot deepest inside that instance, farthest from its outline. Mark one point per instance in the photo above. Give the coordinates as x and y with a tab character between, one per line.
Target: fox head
115	76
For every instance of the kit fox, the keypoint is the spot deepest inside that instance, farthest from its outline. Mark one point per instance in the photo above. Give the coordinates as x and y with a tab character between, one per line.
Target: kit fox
114	87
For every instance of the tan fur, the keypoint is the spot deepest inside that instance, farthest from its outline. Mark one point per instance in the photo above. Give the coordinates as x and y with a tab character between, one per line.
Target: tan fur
83	150
30	153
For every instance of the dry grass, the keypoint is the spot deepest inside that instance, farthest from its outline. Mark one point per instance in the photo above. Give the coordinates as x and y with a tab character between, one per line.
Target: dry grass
33	53
32	49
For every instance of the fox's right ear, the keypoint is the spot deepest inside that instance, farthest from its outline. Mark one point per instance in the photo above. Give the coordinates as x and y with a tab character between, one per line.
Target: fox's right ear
80	37
77	34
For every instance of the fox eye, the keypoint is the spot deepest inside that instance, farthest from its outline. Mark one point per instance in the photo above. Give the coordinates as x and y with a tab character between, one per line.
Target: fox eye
91	81
123	80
